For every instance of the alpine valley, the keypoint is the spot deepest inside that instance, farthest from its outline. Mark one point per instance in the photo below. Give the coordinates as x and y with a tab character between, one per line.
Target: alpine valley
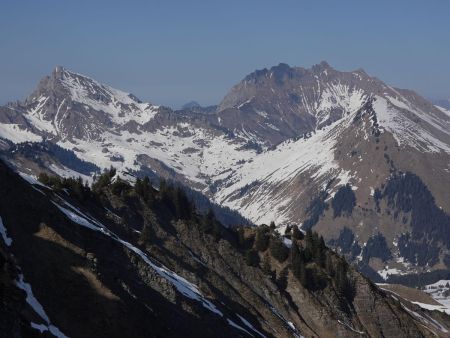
188	223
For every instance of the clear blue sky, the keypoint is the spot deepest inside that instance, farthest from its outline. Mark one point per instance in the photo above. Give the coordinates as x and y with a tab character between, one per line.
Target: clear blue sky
170	52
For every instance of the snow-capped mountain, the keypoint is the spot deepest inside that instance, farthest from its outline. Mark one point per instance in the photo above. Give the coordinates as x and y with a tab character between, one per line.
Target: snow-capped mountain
278	147
67	105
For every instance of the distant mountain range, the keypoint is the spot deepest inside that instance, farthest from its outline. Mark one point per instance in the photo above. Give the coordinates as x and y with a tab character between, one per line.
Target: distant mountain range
364	164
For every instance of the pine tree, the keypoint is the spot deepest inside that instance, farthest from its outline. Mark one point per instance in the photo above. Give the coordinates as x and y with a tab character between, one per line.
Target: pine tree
163	187
44	178
148	191
207	223
119	187
288	230
278	250
302	275
282	280
103	180
343	284
138	187
322	245
309	237
217	230
262	239
241	237
329	267
183	207
295	254
296	233
272	225
298	264
319	251
252	258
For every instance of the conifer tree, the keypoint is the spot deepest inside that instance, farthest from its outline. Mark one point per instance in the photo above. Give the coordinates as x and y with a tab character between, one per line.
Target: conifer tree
301	275
296	233
241	237
343	284
217	230
329	264
278	250
138	187
252	258
309	237
288	231
282	280
298	264
262	238
208	221
183	207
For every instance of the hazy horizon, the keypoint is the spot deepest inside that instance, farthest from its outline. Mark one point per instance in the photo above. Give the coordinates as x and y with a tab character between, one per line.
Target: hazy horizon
173	52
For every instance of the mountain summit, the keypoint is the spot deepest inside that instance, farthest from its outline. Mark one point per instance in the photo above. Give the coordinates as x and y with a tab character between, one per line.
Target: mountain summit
67	105
317	147
284	102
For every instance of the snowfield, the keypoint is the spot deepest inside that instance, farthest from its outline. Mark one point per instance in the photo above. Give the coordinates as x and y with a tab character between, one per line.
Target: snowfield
223	166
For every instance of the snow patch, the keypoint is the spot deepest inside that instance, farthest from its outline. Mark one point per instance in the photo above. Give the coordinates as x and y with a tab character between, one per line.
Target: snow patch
37	307
233	324
7	240
14	133
250	326
386	272
407	132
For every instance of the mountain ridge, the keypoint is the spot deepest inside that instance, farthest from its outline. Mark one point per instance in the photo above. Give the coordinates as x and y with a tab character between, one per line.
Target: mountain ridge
147	267
280	137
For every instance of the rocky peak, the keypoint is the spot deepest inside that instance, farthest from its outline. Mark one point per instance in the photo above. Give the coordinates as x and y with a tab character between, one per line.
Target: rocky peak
284	102
191	104
58	73
65	84
322	66
68	105
49	85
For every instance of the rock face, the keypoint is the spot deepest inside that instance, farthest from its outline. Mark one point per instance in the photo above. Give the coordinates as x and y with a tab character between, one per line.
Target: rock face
282	102
279	147
122	261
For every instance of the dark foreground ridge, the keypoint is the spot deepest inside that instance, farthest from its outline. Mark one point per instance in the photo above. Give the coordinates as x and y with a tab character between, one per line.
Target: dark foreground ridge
115	260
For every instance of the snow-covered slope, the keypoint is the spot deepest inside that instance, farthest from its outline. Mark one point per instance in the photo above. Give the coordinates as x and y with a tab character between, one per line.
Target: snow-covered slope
108	127
278	137
67	105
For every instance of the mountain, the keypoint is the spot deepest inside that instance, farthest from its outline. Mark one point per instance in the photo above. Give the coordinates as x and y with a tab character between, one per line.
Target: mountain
444	103
190	105
283	102
195	108
67	105
115	260
364	164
